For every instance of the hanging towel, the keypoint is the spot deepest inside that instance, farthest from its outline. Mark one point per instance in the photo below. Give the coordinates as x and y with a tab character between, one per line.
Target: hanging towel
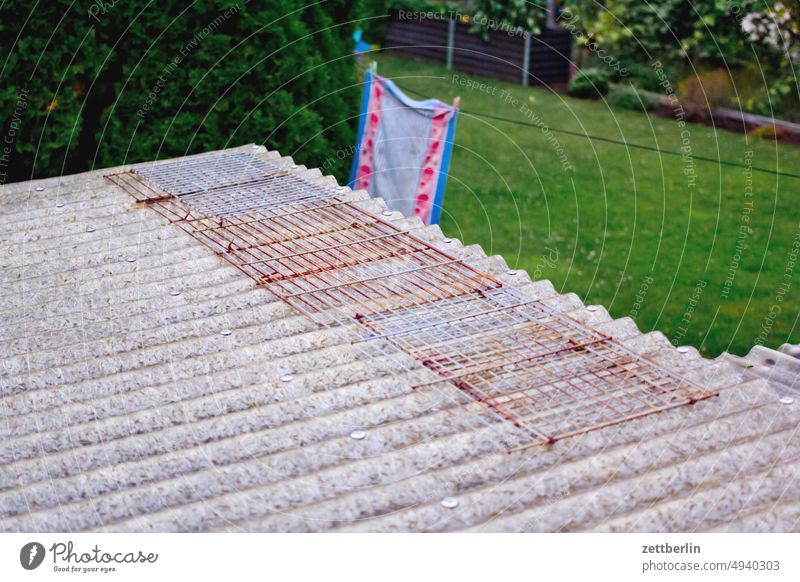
403	149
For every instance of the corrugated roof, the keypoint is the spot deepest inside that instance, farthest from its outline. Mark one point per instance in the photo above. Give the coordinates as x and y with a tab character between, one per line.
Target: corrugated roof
127	406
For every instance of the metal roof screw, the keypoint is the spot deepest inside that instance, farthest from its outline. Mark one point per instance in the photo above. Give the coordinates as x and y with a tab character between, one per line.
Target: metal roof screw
683	349
450	502
131	259
225	332
511	272
387	212
175	292
591	308
286	378
787	400
358	435
40	188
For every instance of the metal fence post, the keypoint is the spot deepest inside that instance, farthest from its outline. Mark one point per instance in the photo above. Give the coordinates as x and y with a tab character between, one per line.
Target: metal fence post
526	58
451	41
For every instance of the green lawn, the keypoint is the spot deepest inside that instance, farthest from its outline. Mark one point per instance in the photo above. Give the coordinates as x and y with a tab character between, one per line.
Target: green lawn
622	223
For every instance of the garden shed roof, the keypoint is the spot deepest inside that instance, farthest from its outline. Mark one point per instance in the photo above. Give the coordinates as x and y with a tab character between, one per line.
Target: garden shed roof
233	342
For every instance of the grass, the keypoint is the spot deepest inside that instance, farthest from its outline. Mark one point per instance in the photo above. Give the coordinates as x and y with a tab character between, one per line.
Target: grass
623	227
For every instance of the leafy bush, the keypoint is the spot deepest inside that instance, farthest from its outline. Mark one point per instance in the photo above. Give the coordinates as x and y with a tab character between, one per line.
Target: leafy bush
628	97
703	92
645	77
133	81
672	31
484	15
763	37
589	83
421	6
508	15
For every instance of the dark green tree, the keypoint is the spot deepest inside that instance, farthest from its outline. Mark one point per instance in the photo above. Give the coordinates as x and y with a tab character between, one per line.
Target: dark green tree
131	81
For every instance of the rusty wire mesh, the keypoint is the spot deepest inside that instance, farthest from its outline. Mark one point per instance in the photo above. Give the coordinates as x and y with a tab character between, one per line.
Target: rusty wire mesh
340	265
192	175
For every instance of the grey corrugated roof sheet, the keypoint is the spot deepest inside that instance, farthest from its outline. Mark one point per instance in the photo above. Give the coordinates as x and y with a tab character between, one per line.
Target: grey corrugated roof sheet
125	409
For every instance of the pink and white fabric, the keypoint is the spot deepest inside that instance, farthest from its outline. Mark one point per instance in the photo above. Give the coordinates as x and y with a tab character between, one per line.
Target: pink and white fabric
403	149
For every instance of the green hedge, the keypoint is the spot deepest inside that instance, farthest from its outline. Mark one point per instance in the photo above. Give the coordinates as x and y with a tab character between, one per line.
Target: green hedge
588	83
629	97
41	86
136	80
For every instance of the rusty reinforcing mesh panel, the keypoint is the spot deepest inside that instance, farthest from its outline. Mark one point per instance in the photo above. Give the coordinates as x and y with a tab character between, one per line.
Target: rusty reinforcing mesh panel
206	173
549	375
221	184
567	392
